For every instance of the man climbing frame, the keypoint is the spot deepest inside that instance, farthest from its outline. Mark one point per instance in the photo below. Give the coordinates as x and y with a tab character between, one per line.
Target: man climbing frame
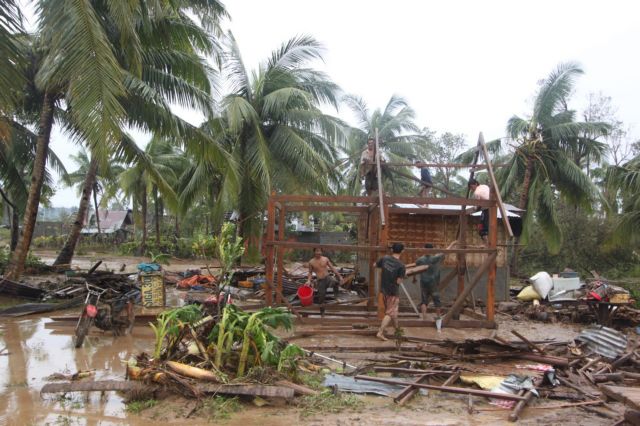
368	168
320	265
481	192
393	272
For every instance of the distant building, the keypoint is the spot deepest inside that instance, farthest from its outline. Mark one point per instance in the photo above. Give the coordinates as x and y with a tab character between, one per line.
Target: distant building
111	222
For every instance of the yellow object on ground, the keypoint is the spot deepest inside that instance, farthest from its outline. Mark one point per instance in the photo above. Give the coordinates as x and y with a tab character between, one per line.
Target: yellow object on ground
528	294
485	382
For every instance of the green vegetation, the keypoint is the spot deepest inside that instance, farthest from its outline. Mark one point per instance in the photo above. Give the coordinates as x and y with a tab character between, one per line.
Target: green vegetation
326	402
217	408
136	407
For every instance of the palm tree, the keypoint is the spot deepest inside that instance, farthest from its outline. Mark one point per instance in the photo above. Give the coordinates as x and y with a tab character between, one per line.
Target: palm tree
399	137
78	65
272	126
545	146
156	176
625	181
17	152
11	58
166	67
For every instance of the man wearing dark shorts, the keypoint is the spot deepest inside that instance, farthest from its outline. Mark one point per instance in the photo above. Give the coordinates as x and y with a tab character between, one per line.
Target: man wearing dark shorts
321	265
393	272
429	281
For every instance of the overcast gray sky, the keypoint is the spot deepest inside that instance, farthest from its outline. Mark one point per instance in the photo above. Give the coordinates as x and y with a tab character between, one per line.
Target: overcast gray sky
464	66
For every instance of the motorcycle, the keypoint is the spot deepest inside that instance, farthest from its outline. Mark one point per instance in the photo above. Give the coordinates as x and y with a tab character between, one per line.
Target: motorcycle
116	314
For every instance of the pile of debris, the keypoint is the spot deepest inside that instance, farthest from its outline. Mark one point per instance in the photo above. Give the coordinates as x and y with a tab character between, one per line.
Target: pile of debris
195	354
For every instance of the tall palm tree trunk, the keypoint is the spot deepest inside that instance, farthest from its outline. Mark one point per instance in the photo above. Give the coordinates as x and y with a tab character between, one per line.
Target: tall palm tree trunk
15	219
143	207
95	206
16	264
156	215
15	229
526	183
66	254
524	200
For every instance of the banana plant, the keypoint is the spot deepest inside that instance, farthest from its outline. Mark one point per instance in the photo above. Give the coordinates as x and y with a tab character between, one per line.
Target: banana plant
256	333
169	325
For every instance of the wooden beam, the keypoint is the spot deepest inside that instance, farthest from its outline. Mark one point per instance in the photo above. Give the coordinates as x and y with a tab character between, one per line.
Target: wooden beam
459	303
441	201
280	259
491	278
324	198
503	210
347	199
379	177
375	249
325	208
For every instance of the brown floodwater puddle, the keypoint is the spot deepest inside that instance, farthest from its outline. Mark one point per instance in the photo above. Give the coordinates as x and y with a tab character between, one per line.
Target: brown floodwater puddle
34	351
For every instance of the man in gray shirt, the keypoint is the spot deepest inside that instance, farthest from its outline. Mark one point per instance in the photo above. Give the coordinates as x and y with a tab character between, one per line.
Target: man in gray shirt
430	280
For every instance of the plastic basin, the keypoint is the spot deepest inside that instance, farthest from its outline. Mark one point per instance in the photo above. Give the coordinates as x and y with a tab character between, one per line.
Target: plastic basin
305	294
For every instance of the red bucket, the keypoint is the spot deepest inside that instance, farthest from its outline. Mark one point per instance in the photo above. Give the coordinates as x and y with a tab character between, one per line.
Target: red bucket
305	294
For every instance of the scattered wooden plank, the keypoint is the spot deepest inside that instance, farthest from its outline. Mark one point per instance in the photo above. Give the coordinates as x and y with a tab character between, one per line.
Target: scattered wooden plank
630	396
250	390
90	386
408	392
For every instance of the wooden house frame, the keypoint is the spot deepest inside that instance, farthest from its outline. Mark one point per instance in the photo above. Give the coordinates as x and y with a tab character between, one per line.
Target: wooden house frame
375	212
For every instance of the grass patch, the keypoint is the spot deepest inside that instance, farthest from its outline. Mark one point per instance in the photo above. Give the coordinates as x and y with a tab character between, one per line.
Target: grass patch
219	408
136	407
327	402
312	380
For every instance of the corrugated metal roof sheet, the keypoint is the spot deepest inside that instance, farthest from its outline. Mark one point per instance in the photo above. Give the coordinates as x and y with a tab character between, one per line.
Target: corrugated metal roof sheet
604	341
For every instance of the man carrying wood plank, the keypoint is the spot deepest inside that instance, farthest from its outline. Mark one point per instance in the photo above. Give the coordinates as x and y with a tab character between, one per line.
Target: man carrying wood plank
393	272
429	281
320	265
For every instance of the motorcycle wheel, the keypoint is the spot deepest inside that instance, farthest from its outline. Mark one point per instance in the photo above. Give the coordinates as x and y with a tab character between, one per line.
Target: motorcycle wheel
82	330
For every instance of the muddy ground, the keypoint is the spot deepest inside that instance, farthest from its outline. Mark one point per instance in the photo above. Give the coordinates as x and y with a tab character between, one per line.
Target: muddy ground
36	348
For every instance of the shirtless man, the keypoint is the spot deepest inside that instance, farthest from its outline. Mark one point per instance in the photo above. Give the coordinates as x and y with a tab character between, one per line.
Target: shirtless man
320	265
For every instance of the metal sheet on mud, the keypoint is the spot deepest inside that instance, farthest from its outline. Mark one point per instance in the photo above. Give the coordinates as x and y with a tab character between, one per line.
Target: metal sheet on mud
604	341
349	384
